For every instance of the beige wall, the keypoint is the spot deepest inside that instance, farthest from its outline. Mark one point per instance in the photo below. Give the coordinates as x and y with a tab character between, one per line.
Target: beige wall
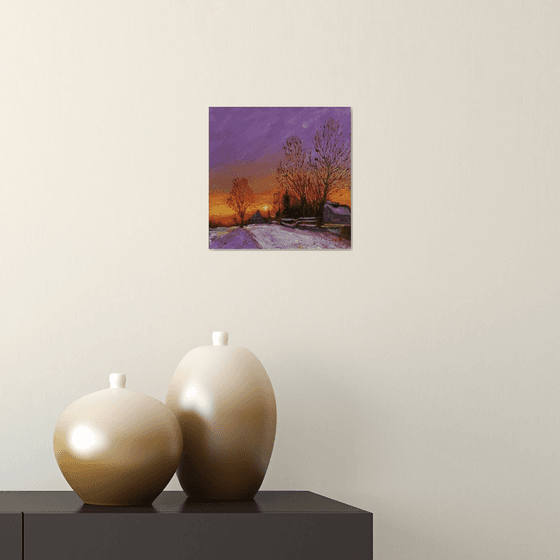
417	376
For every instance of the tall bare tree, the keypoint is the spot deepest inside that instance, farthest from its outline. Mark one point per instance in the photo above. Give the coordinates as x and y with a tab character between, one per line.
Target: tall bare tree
240	198
330	161
294	174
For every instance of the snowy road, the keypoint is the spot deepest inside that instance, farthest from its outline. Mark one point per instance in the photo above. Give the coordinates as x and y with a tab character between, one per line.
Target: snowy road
274	236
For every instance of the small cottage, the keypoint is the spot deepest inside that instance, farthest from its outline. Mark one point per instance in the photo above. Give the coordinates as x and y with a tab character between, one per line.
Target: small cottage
335	213
257	218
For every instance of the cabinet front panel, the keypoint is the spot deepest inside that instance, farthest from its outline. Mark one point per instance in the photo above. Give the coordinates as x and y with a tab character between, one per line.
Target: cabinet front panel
115	536
10	535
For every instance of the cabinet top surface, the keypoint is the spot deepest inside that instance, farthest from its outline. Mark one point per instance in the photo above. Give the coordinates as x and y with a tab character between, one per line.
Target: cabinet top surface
176	502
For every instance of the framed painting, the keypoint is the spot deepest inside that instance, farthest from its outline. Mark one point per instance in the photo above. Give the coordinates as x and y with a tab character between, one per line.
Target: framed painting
280	178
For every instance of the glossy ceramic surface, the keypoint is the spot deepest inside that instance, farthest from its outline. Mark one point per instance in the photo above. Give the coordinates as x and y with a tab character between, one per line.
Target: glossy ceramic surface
117	447
225	404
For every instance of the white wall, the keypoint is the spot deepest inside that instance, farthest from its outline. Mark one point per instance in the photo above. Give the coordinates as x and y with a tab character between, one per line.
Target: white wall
416	375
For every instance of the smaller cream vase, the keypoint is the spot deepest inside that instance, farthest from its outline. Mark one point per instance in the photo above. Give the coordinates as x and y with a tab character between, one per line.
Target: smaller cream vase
117	447
225	404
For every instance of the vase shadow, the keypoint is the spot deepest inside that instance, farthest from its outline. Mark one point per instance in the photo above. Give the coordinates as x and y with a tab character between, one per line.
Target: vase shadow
193	505
88	508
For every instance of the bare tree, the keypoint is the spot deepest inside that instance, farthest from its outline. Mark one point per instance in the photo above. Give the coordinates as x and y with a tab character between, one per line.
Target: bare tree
294	174
240	198
330	162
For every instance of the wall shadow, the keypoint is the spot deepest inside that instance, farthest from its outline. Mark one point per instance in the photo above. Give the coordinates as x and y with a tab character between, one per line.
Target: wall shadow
393	540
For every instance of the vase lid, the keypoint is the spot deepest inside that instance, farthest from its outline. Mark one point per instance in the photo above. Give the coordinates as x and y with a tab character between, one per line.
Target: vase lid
220	338
117	380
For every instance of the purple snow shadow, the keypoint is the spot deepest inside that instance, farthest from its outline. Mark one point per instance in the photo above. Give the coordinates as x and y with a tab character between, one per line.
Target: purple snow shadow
236	239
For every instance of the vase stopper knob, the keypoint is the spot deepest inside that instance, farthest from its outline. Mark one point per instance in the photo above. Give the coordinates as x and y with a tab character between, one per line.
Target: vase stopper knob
117	380
220	338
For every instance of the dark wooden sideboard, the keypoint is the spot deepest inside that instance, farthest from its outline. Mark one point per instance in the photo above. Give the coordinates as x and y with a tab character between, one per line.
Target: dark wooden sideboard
273	526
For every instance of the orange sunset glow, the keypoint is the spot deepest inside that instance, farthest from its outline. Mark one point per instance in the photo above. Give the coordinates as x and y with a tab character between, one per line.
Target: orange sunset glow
222	214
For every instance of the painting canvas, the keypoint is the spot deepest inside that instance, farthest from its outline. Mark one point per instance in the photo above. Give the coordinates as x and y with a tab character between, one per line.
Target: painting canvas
280	178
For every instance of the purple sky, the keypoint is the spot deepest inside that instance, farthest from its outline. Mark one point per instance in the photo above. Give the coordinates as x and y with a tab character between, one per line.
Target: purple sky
247	141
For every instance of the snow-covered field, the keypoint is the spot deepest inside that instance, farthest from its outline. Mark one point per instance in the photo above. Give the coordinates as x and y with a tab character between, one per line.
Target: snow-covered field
274	236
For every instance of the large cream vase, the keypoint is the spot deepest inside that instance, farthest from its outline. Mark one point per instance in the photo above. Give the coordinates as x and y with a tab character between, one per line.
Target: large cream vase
225	405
